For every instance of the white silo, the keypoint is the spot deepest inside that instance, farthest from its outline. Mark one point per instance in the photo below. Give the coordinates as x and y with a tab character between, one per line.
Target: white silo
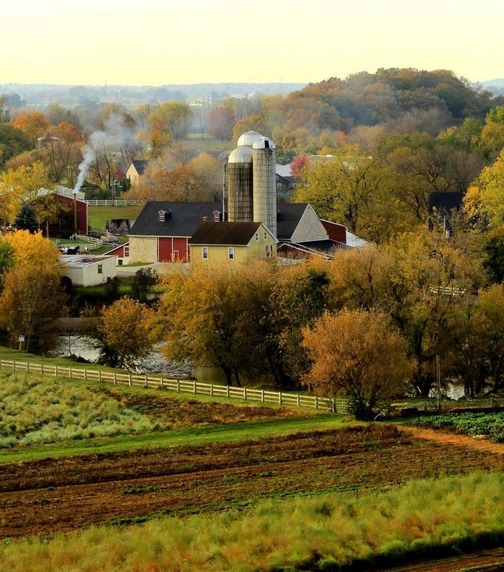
240	185
264	175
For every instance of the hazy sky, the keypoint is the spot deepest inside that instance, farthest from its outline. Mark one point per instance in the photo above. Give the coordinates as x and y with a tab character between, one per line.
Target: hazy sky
158	42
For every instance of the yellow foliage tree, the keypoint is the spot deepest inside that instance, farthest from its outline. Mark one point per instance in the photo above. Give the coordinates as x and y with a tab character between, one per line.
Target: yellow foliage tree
32	298
126	332
21	185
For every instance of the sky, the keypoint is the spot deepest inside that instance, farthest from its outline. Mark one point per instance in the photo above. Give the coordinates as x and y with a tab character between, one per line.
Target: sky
165	42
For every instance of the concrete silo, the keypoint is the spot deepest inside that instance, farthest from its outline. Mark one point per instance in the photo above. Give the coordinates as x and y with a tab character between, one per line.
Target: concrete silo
264	176
240	185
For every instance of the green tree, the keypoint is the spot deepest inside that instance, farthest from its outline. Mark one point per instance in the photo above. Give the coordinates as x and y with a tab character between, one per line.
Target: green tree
26	219
12	142
142	283
357	354
6	260
493	249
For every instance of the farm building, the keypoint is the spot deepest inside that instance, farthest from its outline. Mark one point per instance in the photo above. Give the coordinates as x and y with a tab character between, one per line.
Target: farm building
89	270
234	242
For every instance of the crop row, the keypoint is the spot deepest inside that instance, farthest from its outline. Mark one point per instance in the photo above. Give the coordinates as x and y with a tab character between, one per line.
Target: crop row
474	424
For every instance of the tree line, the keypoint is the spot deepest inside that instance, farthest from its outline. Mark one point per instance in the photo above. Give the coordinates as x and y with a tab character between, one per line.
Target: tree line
370	323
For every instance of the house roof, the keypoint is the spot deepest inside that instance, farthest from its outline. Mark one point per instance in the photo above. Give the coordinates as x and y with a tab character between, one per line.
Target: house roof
82	260
446	200
288	217
140	165
181	219
225	233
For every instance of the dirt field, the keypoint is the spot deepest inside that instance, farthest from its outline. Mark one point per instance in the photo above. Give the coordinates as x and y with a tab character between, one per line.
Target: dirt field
43	497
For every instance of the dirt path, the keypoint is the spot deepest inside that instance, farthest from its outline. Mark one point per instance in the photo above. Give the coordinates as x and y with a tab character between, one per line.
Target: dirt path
454	439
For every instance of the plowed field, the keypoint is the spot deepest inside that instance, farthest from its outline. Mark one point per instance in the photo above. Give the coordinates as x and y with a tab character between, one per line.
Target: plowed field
44	497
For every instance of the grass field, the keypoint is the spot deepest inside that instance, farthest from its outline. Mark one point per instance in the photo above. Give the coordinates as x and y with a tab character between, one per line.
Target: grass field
208	484
99	215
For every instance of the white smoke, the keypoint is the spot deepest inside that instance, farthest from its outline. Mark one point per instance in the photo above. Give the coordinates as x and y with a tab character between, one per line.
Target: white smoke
89	156
117	140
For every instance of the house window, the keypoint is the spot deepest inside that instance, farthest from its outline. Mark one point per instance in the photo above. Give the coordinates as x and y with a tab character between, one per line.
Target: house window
204	252
231	253
100	269
269	251
257	236
265	235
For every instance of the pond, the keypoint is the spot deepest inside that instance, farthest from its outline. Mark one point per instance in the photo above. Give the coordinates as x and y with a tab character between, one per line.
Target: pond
82	347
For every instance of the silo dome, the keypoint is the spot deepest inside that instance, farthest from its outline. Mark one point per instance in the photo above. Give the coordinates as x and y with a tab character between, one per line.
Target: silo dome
240	155
263	143
248	139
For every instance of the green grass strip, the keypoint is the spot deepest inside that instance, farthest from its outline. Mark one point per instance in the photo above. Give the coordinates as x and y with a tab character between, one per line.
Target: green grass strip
426	519
196	436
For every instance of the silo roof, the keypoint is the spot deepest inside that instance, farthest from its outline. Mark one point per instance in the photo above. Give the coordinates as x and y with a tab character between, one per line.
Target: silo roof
248	138
240	155
264	143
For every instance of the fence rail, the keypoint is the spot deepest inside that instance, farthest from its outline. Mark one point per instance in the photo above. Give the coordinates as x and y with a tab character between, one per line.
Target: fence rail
181	386
111	203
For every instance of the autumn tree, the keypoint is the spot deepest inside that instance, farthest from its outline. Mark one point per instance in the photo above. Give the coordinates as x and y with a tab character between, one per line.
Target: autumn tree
181	183
33	125
168	123
430	279
220	122
126	333
299	295
60	151
351	188
18	186
359	355
250	123
213	317
475	358
32	298
485	199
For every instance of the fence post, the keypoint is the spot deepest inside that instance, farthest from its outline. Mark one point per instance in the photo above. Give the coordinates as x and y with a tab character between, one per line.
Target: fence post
178	385
280	398
297	399
115	378
129	380
194	387
316	402
262	395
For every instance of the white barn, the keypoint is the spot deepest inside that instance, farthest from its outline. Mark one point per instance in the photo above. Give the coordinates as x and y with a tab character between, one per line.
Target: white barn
89	270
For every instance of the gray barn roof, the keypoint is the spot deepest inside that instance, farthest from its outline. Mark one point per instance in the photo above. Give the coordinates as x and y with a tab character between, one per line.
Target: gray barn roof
181	219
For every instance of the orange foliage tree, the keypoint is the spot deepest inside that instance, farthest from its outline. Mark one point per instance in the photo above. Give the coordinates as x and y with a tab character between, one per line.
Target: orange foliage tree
357	354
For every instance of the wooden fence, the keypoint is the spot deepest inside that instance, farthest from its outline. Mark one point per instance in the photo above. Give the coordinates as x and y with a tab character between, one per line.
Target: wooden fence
181	386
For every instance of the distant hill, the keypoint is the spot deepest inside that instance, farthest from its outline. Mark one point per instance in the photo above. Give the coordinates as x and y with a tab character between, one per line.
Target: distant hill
496	86
41	94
